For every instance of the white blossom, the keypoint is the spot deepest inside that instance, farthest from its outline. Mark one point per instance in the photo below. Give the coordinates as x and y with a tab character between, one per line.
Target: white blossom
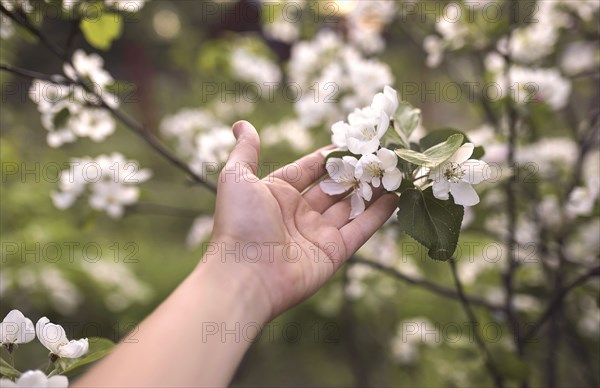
89	66
342	179
251	67
15	328
456	176
579	57
582	199
335	78
111	180
380	168
36	379
96	124
365	139
200	231
536	85
121	287
213	146
547	156
185	126
290	131
434	47
366	22
65	109
54	338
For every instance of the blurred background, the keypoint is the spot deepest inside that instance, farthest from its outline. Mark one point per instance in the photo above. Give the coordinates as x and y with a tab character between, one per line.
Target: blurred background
520	78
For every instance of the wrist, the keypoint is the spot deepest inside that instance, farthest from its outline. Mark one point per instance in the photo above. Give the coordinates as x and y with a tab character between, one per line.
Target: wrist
233	281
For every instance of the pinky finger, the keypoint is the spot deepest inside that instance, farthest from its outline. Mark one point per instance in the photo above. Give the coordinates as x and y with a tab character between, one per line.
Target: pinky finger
357	232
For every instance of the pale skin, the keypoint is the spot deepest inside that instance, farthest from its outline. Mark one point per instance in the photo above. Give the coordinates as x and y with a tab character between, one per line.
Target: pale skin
290	238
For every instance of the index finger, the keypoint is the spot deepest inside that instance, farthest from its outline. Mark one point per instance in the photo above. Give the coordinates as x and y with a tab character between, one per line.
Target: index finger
359	230
304	171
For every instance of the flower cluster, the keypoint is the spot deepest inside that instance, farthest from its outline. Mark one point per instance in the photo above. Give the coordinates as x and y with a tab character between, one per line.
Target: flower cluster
372	165
250	66
111	180
370	159
68	110
200	137
328	70
16	329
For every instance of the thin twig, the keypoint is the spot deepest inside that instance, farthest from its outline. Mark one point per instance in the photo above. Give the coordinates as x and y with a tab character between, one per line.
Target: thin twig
426	284
489	361
556	302
25	23
56	79
511	209
150	138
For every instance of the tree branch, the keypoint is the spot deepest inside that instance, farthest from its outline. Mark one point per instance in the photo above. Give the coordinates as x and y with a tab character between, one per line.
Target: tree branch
426	284
511	210
150	138
556	302
489	361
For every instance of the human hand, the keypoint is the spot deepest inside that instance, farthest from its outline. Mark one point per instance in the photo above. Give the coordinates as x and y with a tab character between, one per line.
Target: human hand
278	236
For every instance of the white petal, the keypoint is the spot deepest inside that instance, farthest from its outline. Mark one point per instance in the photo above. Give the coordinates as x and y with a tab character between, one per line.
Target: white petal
392	179
357	205
114	210
339	131
475	170
376	181
354	145
463	153
365	191
335	168
16	328
74	349
364	173
386	102
32	378
6	383
63	199
464	194
441	188
350	161
142	175
388	158
369	147
50	335
331	187
383	125
58	382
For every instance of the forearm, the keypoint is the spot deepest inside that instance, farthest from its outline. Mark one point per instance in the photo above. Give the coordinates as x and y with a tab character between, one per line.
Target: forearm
197	337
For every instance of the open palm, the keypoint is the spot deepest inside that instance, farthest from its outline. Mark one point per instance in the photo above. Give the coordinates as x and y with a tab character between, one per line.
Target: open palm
289	236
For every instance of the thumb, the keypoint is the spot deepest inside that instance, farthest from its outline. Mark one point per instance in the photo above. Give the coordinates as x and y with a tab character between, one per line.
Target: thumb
246	150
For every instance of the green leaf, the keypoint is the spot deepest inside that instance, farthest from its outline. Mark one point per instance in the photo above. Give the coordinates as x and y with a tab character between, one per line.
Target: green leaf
438	135
61	118
391	138
432	222
99	347
435	155
406	120
340	154
101	30
443	151
406	184
7	370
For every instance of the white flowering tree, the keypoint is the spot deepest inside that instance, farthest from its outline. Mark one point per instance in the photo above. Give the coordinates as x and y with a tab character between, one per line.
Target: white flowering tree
500	216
